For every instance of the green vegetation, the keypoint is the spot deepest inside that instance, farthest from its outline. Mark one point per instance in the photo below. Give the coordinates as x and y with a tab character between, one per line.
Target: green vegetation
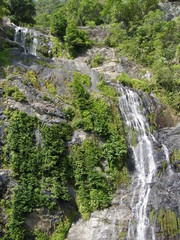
3	57
22	11
15	93
97	60
51	87
155	44
83	11
102	121
130	12
175	155
41	171
168	222
58	23
76	40
3	8
93	190
108	91
31	77
62	229
144	84
44	165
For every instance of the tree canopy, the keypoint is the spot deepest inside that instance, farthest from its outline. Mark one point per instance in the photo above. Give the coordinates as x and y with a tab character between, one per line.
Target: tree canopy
3	8
22	11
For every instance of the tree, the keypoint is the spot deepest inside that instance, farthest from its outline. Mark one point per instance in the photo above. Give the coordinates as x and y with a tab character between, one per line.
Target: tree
127	10
59	23
22	11
3	9
89	10
44	9
76	40
82	11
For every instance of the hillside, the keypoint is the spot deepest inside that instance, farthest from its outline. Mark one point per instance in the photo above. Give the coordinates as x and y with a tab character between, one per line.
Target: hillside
90	128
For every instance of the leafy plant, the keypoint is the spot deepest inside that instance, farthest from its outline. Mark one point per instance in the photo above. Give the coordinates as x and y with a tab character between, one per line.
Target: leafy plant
15	93
76	40
97	60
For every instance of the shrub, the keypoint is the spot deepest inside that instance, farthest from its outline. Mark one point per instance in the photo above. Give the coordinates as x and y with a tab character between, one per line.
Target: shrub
76	40
58	23
97	60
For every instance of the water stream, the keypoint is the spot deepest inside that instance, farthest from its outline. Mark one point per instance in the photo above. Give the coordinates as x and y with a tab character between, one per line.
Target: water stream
27	38
30	39
166	152
141	143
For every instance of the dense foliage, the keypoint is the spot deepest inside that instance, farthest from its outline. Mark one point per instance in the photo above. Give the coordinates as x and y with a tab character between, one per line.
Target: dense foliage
102	121
44	165
22	11
76	40
3	8
40	168
127	11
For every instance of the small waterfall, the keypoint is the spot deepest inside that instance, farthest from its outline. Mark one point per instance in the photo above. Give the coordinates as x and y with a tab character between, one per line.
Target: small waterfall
166	152
20	35
27	38
140	140
34	44
30	39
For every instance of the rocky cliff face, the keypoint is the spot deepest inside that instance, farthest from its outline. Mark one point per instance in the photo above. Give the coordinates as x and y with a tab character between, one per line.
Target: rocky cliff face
170	8
38	86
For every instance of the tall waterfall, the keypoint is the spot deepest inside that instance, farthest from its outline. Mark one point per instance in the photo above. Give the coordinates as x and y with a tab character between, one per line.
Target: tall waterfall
140	140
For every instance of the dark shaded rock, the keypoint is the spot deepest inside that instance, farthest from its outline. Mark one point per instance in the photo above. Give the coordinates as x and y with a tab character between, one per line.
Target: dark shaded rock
43	220
4	181
7	29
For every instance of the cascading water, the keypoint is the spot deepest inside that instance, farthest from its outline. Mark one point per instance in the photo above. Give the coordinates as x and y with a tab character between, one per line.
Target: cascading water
20	35
140	140
29	39
166	152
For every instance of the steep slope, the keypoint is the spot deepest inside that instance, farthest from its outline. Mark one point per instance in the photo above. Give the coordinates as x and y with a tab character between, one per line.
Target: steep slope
64	155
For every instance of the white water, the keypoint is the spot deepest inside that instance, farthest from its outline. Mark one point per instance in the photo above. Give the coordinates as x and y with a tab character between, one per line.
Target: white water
34	44
166	152
28	39
140	140
20	35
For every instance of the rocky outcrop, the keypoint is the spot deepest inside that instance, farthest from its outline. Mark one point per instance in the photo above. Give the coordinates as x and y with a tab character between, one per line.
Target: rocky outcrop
46	96
4	192
170	8
112	66
6	29
110	223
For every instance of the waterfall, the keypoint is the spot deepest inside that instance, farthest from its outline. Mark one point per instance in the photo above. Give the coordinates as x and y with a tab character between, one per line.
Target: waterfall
27	38
30	39
141	143
20	35
166	152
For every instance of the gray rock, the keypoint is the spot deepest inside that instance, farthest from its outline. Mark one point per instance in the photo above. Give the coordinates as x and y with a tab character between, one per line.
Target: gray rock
78	137
170	8
110	223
